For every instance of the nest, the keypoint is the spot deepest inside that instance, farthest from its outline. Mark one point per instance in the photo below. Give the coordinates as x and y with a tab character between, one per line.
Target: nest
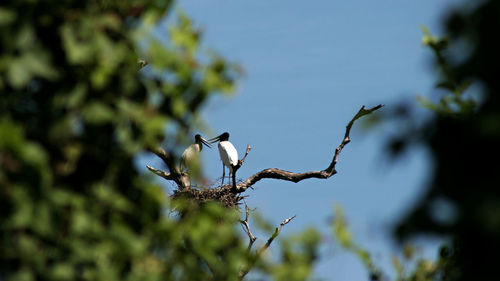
221	195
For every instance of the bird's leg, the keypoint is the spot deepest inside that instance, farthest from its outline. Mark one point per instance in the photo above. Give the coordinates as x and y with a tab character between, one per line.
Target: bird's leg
232	171
223	174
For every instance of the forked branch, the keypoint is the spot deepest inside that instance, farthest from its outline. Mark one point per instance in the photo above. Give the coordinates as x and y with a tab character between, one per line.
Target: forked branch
259	252
237	166
246	228
181	179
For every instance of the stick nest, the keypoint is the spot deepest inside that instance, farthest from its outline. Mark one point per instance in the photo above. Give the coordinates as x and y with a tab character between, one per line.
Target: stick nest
221	195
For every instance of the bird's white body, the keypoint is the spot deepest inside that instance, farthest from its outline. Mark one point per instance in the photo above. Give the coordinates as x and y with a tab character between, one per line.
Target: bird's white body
190	155
228	154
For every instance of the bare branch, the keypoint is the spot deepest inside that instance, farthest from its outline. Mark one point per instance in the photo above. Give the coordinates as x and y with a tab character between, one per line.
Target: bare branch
274	173
167	158
237	166
161	173
246	228
265	247
242	160
275	234
181	179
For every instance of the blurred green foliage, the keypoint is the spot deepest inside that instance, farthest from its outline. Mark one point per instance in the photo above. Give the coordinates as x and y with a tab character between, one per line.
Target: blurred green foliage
75	109
86	86
454	101
462	198
345	239
297	256
461	201
407	266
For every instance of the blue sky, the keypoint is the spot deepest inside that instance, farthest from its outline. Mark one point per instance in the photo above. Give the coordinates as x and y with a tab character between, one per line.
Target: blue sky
309	66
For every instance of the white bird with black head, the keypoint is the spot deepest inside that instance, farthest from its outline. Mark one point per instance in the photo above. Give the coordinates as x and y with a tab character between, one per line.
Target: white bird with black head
227	152
190	156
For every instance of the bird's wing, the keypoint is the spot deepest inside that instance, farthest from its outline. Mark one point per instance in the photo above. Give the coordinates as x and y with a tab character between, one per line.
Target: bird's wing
228	153
223	154
189	155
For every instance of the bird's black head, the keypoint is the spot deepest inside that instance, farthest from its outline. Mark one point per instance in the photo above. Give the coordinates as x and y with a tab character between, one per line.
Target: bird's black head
224	136
199	139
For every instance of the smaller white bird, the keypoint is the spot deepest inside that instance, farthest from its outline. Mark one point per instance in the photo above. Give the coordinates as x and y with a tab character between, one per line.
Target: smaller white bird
189	158
227	152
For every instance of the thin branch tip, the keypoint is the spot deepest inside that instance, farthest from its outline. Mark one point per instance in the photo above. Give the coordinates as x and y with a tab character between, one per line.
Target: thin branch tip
287	220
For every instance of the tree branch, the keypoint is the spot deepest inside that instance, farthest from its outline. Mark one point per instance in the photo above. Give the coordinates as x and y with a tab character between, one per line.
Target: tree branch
246	227
237	166
161	173
274	173
181	179
265	247
275	234
242	160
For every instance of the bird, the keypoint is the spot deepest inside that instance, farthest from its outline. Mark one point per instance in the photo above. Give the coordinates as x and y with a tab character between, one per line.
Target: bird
227	152
189	158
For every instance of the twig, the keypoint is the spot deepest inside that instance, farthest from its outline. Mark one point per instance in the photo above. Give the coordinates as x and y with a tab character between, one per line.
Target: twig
160	173
242	160
237	166
259	252
275	234
274	173
246	228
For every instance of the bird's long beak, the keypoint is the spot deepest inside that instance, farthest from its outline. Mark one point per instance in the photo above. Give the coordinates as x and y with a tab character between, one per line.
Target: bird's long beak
214	140
205	142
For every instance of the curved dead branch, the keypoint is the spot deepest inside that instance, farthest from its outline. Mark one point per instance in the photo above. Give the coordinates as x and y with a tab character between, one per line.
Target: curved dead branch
274	173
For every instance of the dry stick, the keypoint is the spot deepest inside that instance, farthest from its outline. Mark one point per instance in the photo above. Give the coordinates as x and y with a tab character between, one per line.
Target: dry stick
274	173
265	247
240	162
246	228
237	166
161	173
275	234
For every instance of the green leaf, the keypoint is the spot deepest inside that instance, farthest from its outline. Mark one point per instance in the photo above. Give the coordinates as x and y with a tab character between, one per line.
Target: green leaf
77	52
184	35
98	113
32	64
